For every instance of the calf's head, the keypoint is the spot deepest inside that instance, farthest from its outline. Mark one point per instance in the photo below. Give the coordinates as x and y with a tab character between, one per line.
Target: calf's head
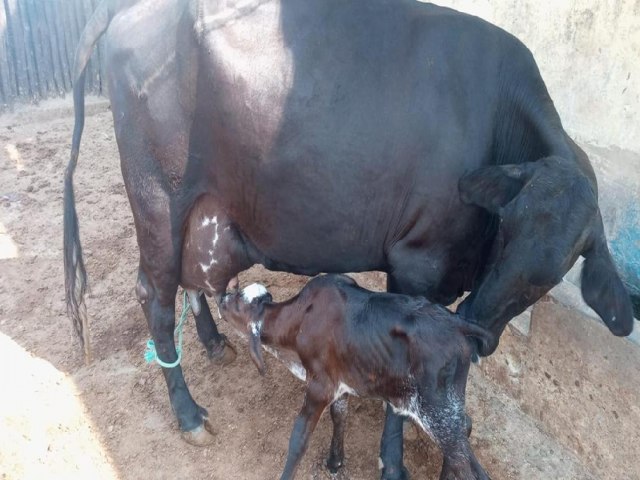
245	311
549	215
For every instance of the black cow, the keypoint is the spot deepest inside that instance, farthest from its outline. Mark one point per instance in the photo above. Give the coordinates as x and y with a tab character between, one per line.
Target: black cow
334	136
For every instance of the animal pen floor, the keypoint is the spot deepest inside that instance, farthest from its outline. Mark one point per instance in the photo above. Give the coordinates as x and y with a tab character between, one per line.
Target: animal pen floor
112	419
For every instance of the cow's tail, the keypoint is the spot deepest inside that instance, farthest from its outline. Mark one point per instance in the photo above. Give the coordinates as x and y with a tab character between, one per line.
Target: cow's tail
75	275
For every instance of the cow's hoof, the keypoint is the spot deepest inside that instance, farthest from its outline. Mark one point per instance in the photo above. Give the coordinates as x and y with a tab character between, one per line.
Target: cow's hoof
200	436
223	353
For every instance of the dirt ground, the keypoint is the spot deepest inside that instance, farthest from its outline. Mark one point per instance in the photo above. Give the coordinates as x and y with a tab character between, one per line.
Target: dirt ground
112	419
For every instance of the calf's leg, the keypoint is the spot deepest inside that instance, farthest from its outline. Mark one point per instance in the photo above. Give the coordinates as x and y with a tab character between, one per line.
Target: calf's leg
315	402
442	415
391	447
339	410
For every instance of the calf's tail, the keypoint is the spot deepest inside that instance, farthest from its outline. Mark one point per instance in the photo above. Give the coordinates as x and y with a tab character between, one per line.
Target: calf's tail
75	275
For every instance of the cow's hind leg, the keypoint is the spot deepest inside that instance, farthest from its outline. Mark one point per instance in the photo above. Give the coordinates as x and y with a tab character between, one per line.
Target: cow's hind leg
159	218
315	401
158	303
219	349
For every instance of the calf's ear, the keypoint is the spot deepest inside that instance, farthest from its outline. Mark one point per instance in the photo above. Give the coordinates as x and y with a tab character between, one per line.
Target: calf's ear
255	351
602	288
494	186
255	331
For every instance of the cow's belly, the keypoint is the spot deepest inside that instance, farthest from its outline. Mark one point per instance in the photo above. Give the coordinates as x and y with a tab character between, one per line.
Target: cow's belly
322	151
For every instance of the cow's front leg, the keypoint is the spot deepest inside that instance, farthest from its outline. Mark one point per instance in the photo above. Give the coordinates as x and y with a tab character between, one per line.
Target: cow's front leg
219	348
157	297
315	401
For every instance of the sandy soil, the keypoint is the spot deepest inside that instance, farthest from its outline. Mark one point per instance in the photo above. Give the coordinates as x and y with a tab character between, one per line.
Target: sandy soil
112	419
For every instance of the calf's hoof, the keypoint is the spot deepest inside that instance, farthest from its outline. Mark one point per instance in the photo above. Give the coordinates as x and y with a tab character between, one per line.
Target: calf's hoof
472	472
222	353
394	474
333	466
200	436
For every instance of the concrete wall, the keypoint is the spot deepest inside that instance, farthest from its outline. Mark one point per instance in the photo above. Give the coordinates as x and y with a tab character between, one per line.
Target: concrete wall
589	54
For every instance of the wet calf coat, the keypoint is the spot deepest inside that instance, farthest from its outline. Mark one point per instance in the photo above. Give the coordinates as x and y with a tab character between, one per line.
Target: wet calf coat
412	354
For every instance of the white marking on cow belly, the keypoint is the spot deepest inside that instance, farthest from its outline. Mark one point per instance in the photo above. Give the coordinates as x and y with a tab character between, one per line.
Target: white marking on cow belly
206	221
253	291
342	389
212	260
205	268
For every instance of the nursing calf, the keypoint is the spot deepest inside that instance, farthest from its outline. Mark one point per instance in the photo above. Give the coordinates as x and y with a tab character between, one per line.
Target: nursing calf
412	354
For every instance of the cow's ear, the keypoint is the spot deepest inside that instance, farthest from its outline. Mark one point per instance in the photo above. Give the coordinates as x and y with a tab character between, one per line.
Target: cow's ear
602	288
493	187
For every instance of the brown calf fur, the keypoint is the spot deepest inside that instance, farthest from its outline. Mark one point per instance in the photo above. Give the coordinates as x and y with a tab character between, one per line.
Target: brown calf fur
412	354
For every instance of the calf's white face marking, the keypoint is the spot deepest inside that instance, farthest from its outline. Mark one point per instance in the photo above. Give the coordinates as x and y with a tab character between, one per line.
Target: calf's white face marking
253	291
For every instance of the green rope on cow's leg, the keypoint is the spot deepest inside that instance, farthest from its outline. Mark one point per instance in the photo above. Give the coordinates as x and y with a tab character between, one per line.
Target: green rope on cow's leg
151	355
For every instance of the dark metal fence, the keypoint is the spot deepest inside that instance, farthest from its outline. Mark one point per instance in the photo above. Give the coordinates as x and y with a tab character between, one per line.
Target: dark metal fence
38	39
